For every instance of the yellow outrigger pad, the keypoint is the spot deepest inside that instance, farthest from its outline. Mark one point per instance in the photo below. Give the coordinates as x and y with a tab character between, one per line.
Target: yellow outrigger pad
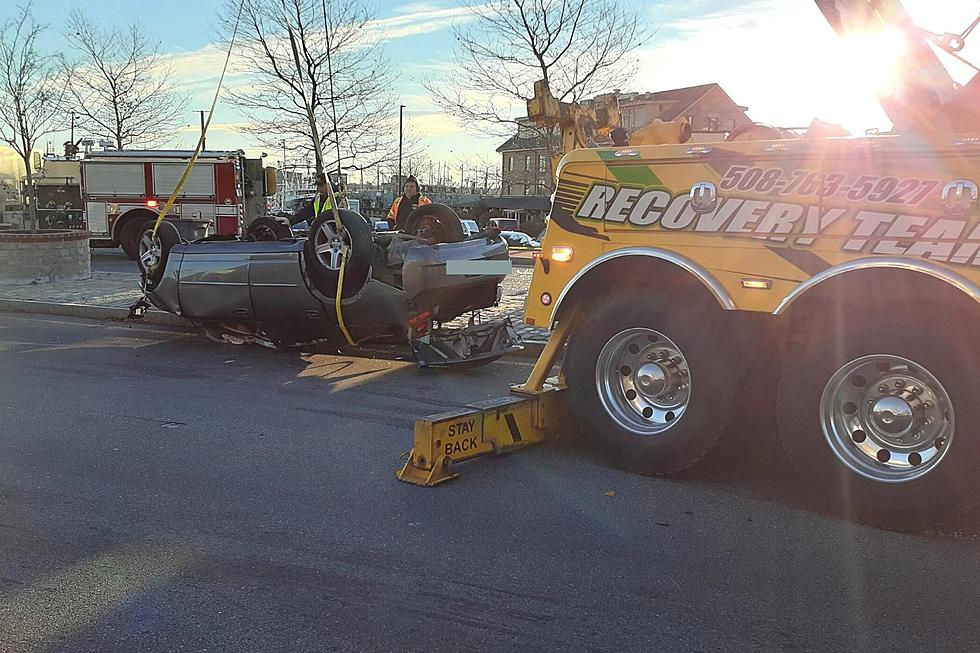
493	426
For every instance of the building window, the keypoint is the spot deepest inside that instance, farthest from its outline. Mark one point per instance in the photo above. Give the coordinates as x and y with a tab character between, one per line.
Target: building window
542	163
542	189
510	162
527	163
712	124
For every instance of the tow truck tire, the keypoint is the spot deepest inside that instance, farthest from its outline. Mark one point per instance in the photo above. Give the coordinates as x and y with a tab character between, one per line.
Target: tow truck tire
878	415
652	383
323	256
152	257
442	219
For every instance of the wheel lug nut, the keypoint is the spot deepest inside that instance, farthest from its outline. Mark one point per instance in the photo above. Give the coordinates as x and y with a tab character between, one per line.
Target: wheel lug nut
917	390
662	355
882	388
900	384
676	360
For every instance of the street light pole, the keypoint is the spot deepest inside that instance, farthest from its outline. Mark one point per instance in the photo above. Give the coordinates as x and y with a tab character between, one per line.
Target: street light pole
401	117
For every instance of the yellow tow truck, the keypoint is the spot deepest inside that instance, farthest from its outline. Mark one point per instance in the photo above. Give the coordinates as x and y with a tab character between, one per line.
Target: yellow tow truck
668	268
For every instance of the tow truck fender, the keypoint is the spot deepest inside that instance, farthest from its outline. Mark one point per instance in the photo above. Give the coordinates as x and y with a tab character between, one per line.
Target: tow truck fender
706	279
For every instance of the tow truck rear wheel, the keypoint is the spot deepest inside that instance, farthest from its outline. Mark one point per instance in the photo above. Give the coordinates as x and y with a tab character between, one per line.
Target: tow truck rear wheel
652	383
878	416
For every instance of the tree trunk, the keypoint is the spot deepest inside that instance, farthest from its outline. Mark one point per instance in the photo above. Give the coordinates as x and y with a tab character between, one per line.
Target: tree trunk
30	214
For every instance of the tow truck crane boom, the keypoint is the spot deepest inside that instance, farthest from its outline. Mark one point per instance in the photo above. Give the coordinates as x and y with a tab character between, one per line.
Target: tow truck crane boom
921	96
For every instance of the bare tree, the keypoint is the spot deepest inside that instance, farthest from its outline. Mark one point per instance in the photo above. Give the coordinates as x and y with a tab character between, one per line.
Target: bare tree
119	85
316	75
30	100
580	47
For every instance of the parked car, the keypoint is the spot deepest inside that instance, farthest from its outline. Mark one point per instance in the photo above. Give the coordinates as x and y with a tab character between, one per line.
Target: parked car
470	227
278	289
504	224
540	236
519	240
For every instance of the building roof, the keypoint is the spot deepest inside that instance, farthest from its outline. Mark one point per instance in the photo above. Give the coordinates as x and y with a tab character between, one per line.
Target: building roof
679	98
515	143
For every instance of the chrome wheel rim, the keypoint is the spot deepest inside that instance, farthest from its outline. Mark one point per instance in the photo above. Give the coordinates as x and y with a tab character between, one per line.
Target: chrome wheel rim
150	251
643	381
329	245
887	418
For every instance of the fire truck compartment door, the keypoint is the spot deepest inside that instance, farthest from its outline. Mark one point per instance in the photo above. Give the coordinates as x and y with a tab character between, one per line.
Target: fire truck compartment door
200	183
105	179
95	217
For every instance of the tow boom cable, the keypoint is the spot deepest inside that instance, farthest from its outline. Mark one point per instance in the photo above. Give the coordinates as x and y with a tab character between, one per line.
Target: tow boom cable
204	131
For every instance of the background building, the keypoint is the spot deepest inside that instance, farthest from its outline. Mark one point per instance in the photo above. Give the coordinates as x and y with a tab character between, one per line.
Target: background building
525	164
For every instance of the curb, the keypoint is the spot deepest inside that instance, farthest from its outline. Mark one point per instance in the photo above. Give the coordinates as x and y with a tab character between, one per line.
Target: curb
153	316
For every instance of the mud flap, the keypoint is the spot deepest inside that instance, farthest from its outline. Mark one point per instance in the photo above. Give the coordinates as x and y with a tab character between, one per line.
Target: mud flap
471	346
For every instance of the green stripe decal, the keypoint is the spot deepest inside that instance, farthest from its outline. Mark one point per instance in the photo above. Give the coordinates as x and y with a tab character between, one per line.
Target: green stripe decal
637	174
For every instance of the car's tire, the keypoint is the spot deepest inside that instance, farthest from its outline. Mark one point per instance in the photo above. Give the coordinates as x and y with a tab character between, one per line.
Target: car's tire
659	430
837	415
441	220
129	238
323	266
267	228
154	252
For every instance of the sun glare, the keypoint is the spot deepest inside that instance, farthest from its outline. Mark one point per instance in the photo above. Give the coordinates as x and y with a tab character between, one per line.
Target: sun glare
873	56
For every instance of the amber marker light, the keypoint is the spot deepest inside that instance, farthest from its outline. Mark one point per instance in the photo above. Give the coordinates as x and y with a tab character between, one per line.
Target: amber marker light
561	253
757	284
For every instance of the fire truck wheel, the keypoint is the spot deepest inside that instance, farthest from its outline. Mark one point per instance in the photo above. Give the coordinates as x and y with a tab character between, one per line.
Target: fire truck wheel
435	222
154	252
879	416
651	382
266	228
323	253
129	238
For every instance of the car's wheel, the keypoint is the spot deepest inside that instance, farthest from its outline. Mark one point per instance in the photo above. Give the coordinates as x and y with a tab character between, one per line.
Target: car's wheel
435	222
653	383
155	250
878	415
323	253
266	228
129	238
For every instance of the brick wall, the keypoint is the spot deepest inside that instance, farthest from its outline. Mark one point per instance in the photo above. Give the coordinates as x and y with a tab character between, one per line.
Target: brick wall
40	257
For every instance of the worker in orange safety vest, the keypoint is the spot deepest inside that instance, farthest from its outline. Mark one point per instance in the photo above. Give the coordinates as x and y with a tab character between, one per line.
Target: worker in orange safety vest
411	199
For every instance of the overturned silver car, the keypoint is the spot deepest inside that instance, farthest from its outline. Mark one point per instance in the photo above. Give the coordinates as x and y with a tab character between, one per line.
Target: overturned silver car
278	289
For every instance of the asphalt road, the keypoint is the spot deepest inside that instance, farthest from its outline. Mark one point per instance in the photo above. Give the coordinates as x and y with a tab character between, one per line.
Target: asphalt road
161	493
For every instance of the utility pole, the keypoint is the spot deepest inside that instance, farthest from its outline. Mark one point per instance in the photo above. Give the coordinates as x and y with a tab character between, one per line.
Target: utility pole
204	143
72	127
460	177
401	117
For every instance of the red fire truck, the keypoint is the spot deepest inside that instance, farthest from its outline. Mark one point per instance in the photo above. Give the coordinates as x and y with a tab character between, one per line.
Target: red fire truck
122	190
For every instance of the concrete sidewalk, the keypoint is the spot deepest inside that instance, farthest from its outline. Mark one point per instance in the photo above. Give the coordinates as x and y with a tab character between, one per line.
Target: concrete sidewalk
108	296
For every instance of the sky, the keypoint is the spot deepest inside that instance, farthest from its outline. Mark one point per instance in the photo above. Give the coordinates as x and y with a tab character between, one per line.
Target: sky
778	57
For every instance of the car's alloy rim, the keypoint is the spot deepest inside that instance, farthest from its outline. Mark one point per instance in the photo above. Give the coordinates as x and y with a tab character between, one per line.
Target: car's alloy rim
329	246
643	381
887	418
150	251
